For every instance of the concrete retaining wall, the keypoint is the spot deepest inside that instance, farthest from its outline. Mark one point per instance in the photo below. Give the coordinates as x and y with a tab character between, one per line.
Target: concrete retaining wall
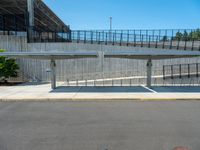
82	69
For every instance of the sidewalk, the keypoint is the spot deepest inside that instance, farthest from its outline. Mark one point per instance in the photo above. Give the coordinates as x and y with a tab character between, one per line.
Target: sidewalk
42	92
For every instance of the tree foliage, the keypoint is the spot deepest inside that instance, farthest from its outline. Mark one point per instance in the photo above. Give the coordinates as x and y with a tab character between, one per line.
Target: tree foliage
8	68
188	36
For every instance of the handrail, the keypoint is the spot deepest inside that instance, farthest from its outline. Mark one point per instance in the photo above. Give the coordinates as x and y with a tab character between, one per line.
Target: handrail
180	70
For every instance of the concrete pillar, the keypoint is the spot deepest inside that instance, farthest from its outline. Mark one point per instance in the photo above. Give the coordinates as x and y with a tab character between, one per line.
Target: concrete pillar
30	6
149	72
53	73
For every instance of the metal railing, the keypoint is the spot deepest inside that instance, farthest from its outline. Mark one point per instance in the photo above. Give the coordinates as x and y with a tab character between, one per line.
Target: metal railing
182	39
181	70
36	35
138	40
13	24
146	32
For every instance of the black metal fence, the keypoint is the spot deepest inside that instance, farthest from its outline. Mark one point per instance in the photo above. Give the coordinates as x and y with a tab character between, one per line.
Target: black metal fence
36	35
147	32
183	39
181	70
141	40
17	24
13	24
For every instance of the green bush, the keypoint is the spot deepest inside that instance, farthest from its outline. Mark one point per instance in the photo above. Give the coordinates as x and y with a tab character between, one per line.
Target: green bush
8	68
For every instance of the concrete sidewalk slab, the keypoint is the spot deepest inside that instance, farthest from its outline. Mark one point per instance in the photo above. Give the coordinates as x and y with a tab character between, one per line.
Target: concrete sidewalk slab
42	92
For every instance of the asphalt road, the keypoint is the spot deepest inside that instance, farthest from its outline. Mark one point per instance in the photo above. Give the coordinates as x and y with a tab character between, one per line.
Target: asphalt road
99	125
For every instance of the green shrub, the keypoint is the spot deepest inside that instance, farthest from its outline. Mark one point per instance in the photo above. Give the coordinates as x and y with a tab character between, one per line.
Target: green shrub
8	68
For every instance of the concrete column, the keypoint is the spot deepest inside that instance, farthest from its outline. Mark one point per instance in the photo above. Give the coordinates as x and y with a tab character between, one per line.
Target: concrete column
30	6
53	74
149	72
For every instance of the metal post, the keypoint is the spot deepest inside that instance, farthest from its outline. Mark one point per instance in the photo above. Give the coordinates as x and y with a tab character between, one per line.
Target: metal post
185	47
172	72
164	72
149	72
55	40
121	39
96	37
53	73
178	43
84	36
134	40
99	40
78	36
192	45
199	45
142	41
70	36
180	71
91	37
103	39
62	34
156	42
147	35
127	38
149	41
164	38
188	70
159	34
113	43
73	35
171	42
106	39
153	35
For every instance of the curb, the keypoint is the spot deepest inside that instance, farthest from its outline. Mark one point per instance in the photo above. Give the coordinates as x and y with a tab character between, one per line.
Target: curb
98	99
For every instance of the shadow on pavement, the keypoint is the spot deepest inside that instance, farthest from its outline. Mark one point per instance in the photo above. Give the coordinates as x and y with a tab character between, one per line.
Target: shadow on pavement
176	89
33	83
105	89
119	89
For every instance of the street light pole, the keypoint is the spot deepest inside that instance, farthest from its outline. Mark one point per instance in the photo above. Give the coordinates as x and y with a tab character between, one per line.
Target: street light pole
110	36
110	23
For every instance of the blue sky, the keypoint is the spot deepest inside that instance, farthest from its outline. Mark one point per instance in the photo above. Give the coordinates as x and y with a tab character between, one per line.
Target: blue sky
128	14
